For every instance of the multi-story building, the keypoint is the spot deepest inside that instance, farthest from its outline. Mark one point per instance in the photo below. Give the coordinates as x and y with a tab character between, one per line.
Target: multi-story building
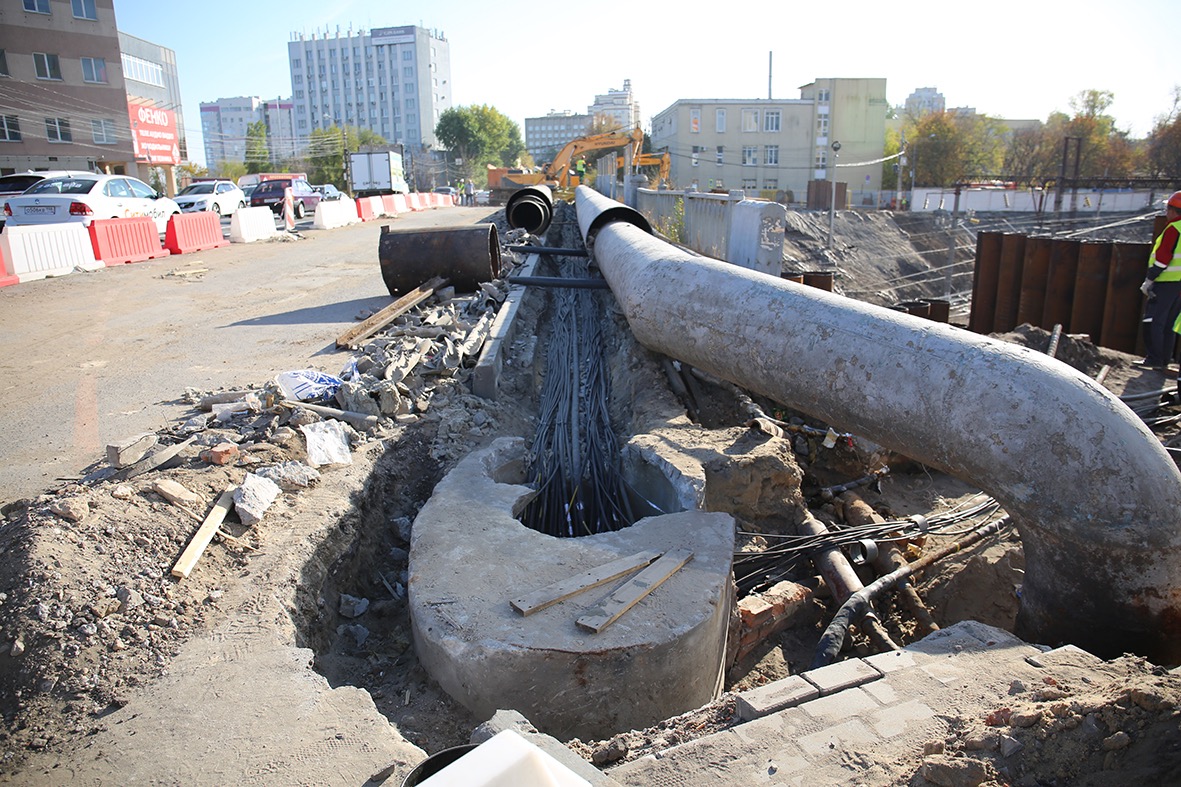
63	103
545	136
618	105
226	122
394	81
924	100
777	144
154	106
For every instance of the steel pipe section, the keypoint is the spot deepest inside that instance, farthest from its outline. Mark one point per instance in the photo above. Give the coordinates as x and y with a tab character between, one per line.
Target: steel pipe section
530	209
465	256
1095	495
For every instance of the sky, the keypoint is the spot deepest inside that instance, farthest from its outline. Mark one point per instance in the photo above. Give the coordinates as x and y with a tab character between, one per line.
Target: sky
1014	60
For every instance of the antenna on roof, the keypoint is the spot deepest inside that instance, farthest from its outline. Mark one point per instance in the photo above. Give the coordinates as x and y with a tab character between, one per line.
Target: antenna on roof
769	56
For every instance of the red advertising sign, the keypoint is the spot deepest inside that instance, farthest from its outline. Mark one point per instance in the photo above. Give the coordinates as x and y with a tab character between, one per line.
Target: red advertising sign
153	134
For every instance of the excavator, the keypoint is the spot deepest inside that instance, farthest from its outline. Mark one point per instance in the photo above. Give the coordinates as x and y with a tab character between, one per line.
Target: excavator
661	160
502	182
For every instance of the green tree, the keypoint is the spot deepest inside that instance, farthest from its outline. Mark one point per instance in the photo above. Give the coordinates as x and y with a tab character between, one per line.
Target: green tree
325	156
481	136
191	169
258	155
230	170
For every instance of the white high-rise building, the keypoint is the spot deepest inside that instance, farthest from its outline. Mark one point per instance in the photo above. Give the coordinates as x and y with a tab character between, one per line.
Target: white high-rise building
394	81
226	122
619	105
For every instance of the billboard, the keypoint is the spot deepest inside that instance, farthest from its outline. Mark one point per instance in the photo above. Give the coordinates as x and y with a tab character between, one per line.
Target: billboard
153	134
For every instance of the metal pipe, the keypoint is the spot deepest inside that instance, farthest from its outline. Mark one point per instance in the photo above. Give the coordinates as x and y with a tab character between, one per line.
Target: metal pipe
580	283
531	209
554	250
1085	480
466	256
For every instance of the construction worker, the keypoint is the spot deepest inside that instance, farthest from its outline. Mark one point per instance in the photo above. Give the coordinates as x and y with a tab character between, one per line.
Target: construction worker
580	168
1162	287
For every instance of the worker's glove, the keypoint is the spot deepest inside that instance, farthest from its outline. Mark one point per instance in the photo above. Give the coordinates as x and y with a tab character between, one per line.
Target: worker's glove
1146	288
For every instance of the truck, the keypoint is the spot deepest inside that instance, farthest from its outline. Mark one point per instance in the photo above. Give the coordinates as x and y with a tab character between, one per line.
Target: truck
377	172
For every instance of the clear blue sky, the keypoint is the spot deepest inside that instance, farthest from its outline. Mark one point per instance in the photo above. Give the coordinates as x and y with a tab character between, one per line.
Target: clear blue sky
1007	58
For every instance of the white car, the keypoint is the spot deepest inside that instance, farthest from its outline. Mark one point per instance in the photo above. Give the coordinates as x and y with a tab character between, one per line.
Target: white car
220	196
84	198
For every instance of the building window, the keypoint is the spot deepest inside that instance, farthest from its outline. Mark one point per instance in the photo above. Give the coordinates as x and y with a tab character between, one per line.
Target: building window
720	150
771	155
771	121
410	104
750	120
694	121
10	129
750	156
720	121
94	69
750	184
822	127
103	131
3	65
84	9
296	63
47	66
143	71
408	87
771	184
37	6
822	95
821	158
407	54
408	72
58	130
696	150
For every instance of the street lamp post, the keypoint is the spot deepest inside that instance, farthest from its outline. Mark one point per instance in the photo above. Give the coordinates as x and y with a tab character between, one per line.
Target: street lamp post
832	191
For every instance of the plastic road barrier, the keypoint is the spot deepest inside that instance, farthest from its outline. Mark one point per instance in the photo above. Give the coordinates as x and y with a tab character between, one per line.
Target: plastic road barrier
251	224
119	241
38	251
189	232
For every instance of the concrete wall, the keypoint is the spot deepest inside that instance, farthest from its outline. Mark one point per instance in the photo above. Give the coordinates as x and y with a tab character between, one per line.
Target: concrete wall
1034	200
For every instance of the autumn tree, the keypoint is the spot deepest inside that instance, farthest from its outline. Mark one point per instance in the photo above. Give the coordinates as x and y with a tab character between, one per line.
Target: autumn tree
1163	154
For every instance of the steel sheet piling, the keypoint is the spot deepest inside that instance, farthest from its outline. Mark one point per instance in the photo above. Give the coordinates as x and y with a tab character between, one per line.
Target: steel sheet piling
1060	284
1008	289
1124	304
984	281
1035	270
1090	290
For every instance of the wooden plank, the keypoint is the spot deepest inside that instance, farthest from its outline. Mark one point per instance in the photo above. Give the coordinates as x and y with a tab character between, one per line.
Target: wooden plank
359	333
204	534
560	591
630	594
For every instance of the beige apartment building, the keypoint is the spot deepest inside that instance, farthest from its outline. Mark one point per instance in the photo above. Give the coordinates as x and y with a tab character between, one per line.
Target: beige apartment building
777	145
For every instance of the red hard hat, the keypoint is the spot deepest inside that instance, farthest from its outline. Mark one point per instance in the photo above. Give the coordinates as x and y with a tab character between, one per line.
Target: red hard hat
1175	200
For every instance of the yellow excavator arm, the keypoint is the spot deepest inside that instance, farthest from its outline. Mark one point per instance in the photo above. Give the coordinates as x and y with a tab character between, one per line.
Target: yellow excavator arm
662	160
558	170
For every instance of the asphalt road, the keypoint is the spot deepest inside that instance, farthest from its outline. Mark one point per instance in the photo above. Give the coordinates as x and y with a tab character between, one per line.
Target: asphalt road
90	358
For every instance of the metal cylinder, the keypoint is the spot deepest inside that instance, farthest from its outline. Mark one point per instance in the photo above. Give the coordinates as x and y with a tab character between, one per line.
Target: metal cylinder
1034	271
940	310
917	308
1008	289
465	256
1090	290
1096	496
1124	305
1060	284
530	209
798	278
984	281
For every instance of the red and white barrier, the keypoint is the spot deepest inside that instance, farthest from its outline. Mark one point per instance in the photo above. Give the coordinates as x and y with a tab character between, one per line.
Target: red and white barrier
7	277
38	251
388	206
376	205
189	232
119	241
252	224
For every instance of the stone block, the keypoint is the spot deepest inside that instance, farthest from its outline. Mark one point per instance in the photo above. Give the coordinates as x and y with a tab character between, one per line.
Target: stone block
842	675
220	454
130	450
177	494
839	706
774	697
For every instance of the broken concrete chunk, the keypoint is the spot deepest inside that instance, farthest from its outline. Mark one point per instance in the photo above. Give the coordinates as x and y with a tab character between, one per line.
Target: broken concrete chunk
354	396
123	492
351	606
71	508
291	475
176	493
328	443
253	497
130	450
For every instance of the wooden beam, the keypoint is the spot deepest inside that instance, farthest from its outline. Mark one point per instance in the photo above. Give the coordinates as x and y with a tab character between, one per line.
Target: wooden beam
630	594
204	534
560	591
359	333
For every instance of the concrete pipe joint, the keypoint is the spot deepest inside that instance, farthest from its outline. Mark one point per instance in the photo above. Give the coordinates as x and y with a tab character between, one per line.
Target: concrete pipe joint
1096	497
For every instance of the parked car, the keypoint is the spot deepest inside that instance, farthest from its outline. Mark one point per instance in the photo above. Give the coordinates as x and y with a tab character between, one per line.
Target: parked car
11	185
483	197
448	190
84	197
328	191
247	191
220	196
270	193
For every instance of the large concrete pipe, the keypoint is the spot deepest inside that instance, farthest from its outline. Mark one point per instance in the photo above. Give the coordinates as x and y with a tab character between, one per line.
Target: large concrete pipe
531	209
1096	497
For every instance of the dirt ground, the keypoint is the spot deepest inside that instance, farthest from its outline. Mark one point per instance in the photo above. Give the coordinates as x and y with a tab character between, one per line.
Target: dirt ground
90	616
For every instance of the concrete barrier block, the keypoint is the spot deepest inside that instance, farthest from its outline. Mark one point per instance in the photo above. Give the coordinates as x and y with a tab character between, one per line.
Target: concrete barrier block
334	213
7	277
376	206
756	236
400	203
47	250
251	224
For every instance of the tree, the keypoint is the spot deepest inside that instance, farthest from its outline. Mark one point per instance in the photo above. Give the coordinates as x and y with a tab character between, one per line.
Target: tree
189	170
230	170
258	155
325	156
481	136
1163	154
603	123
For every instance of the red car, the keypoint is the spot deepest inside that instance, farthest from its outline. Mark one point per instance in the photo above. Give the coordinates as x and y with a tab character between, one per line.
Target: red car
270	193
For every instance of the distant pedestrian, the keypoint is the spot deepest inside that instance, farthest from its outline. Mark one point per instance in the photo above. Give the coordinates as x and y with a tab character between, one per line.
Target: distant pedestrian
1162	288
469	193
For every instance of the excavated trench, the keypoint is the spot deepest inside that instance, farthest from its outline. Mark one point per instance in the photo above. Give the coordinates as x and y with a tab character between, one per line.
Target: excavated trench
410	600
